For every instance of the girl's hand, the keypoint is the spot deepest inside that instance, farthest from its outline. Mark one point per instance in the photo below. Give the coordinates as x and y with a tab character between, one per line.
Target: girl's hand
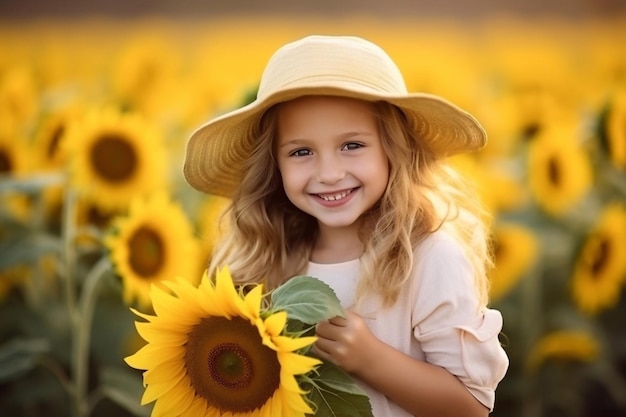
346	342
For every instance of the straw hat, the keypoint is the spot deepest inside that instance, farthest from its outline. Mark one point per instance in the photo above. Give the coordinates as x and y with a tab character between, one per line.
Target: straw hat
322	65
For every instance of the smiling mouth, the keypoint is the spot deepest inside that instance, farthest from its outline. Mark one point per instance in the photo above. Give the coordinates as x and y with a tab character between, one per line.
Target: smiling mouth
335	196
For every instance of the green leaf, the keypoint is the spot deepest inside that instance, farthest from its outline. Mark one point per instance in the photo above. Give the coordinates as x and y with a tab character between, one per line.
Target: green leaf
335	394
125	389
19	356
307	299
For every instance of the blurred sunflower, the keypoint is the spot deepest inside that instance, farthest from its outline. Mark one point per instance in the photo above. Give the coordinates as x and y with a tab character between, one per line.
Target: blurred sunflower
515	251
14	154
115	156
14	163
153	243
145	73
497	187
50	154
615	130
210	222
12	278
559	170
18	93
600	267
563	345
212	352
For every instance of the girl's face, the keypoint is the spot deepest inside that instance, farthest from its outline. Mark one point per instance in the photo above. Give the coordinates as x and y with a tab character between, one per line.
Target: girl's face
330	157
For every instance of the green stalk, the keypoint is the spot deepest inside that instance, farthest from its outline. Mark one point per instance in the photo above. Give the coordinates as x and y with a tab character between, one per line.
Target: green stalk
69	234
82	334
531	324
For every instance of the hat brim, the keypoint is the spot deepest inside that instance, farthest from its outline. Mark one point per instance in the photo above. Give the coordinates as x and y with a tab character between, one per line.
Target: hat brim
217	150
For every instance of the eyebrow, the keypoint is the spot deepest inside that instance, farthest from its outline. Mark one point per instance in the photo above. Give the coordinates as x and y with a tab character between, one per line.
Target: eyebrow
343	136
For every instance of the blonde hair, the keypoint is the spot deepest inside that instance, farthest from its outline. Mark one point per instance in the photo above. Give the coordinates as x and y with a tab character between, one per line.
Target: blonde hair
269	240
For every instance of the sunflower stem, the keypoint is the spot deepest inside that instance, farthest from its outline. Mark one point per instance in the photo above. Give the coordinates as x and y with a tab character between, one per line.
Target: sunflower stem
531	326
69	233
82	334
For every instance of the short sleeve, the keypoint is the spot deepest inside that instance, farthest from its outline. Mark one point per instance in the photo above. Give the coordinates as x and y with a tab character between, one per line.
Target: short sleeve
447	321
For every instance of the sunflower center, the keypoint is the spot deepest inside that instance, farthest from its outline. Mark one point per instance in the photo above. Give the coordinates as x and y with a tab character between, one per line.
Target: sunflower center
113	158
600	258
530	130
5	162
554	171
55	139
229	366
146	252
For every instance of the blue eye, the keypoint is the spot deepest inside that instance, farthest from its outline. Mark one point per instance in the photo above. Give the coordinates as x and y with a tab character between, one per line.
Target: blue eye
352	145
300	152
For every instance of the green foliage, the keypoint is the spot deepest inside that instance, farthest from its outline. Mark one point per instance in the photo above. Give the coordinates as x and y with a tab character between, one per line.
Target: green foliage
306	299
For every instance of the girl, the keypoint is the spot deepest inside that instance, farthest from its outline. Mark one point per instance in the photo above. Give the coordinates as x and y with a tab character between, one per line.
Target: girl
337	172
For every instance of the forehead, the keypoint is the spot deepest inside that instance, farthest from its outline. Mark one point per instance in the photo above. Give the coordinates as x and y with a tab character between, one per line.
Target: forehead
313	111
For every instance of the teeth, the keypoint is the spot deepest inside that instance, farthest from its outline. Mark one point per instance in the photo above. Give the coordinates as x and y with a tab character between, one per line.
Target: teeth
334	197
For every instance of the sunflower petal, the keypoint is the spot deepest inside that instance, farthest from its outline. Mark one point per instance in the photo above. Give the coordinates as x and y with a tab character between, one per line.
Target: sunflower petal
276	323
175	402
252	302
297	364
290	344
160	336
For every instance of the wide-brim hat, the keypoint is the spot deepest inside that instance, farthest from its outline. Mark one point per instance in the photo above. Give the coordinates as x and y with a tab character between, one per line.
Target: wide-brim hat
343	66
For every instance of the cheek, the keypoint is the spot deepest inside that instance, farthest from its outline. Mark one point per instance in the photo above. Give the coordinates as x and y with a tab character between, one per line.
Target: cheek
291	179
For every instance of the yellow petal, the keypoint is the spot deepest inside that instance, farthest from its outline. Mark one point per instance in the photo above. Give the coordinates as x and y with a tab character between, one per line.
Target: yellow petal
160	336
165	371
276	323
290	344
295	402
297	364
252	302
175	402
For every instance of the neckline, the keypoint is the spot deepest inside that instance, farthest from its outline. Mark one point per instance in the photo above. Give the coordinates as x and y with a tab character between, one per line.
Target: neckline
342	263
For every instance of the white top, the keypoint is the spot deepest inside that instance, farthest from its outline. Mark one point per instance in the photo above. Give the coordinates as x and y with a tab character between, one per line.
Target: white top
435	319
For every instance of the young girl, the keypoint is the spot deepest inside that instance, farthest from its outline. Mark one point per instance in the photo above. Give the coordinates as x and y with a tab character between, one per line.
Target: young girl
337	172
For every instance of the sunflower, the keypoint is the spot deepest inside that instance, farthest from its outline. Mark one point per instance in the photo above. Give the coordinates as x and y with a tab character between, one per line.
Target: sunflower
14	163
141	78
114	157
615	130
211	225
18	93
600	267
212	352
497	187
153	243
560	172
14	153
49	152
515	251
563	345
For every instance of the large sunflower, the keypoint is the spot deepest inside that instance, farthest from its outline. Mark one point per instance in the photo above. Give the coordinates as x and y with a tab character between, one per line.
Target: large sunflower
115	156
153	243
212	352
515	251
559	170
600	267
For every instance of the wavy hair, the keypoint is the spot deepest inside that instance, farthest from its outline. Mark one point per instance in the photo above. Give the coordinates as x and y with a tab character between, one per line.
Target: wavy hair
269	240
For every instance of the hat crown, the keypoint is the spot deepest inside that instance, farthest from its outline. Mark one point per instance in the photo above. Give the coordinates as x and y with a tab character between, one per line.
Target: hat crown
343	62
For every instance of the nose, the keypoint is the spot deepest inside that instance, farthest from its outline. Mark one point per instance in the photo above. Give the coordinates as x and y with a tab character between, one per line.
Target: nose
330	170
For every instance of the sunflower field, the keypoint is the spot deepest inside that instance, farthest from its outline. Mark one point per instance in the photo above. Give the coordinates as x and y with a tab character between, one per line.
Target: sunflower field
94	115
